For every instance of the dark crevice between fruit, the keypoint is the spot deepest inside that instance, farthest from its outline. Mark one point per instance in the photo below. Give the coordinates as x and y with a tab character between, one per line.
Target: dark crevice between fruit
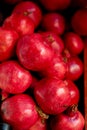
42	114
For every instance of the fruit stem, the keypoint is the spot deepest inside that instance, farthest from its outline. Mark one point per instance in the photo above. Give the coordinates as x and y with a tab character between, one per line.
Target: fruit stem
41	113
72	109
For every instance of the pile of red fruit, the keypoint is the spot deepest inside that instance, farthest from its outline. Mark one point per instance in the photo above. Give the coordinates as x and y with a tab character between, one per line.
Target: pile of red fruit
40	47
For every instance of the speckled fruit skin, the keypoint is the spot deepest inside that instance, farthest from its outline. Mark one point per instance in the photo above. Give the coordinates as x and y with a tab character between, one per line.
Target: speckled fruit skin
54	40
20	23
74	92
19	111
33	53
29	9
8	40
52	95
14	78
54	5
57	68
68	122
54	22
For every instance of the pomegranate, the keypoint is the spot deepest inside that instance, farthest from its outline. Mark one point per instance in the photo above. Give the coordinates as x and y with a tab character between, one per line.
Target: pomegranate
52	95
19	111
74	43
13	77
70	121
54	22
75	68
33	53
78	21
55	41
29	9
20	23
74	92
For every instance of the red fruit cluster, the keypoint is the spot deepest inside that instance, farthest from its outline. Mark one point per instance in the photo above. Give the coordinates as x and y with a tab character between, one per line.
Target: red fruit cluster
40	63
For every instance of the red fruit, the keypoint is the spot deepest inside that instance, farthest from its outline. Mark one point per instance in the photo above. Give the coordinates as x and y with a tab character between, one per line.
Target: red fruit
33	53
13	78
55	41
53	22
8	39
74	92
52	95
19	111
29	9
70	121
55	4
57	68
79	22
39	125
20	23
73	43
75	68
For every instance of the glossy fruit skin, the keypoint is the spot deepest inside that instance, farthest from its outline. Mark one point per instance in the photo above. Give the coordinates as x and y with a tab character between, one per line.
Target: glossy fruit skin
8	40
75	68
74	92
67	122
57	68
53	22
52	95
54	40
33	53
19	111
20	23
29	9
73	43
55	4
79	20
14	79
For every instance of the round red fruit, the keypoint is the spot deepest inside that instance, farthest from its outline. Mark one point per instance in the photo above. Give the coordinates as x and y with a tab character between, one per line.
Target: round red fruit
19	111
79	22
20	23
55	41
75	68
29	9
57	68
74	92
74	43
33	53
14	78
71	121
53	22
52	95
